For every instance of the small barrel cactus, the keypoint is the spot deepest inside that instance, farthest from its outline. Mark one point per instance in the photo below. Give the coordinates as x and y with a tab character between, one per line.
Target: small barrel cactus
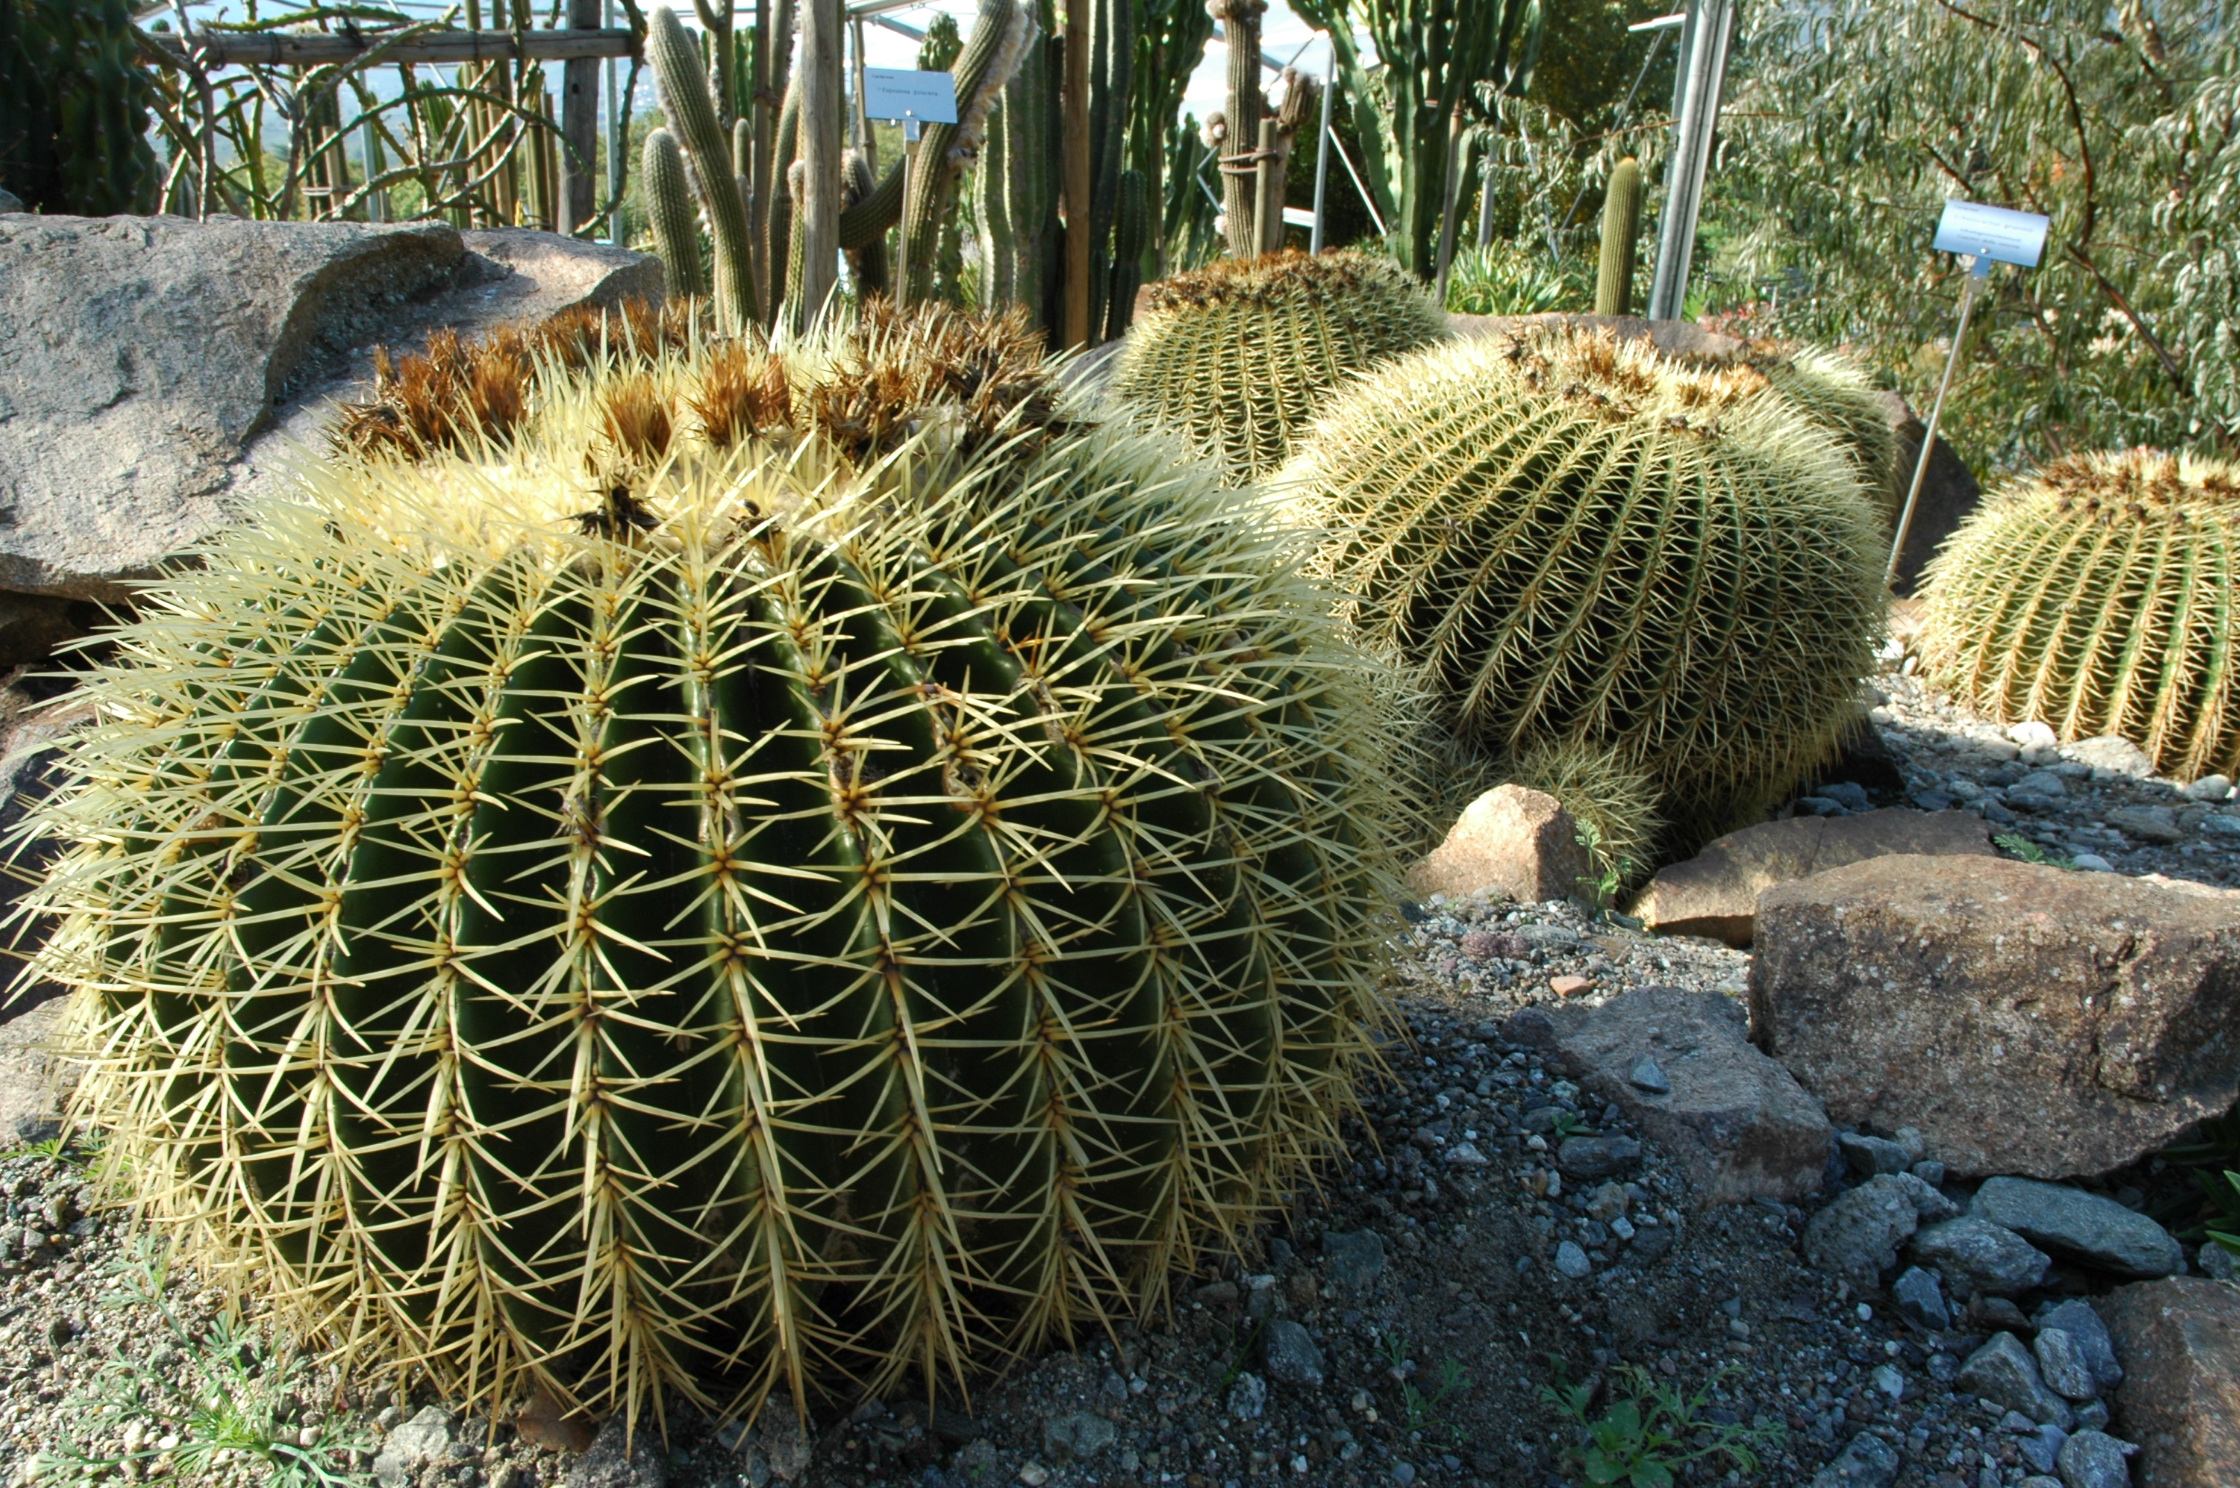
806	865
1582	541
1239	357
2097	596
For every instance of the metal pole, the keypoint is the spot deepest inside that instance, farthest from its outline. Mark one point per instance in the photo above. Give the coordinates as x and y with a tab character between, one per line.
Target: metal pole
1711	22
1322	141
1979	274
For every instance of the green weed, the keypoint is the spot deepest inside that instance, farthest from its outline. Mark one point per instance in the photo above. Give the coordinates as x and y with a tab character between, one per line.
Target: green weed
1650	1429
1419	1409
2017	845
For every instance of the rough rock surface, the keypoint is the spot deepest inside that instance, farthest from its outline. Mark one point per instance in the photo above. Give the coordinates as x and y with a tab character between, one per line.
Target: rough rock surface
1741	1127
2025	1019
34	1082
140	355
1715	893
1857	1236
2004	1373
1519	841
1974	1255
2179	1339
2080	1226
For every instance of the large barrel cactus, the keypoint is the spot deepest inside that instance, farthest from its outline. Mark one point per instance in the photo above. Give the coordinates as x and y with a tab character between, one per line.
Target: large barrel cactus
782	867
1582	541
1239	357
2097	596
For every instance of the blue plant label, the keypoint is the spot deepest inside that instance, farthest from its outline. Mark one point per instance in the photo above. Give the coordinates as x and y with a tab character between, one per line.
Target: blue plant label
904	93
1993	233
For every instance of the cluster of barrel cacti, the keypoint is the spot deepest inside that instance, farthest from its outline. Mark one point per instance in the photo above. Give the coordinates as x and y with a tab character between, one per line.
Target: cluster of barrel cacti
774	869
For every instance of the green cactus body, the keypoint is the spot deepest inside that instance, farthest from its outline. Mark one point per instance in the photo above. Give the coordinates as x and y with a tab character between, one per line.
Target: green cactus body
1239	357
1000	38
676	226
1018	191
1839	395
1580	541
1621	233
682	82
880	888
867	264
1131	235
2097	596
75	105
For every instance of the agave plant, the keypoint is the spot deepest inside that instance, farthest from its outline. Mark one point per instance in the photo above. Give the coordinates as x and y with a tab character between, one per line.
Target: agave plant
781	867
2096	595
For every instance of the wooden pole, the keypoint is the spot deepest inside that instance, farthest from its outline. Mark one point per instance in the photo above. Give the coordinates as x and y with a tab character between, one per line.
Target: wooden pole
1267	189
1075	184
579	127
820	153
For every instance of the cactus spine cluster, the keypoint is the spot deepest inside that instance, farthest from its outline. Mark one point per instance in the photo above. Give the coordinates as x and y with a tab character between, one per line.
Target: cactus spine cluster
2098	596
1240	356
1581	542
1621	232
682	83
805	865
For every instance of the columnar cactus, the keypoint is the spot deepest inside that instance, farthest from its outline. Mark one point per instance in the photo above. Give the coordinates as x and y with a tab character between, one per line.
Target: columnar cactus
1621	232
1131	236
1239	357
1000	38
805	865
2097	596
1582	542
682	83
676	226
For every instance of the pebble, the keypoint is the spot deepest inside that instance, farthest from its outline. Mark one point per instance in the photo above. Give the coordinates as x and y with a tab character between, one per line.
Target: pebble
1921	1300
1866	1462
1645	1075
1079	1435
2061	1363
1571	1261
2094	1459
1974	1255
2077	1318
1248	1397
1355	1258
1290	1354
2003	1373
2082	1226
1867	1156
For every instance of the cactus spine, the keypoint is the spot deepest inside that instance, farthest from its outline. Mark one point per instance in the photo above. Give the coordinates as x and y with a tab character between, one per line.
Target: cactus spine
1621	232
676	227
2098	596
849	903
682	83
1583	542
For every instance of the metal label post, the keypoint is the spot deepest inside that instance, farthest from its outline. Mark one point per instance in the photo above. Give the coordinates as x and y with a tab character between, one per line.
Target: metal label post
914	98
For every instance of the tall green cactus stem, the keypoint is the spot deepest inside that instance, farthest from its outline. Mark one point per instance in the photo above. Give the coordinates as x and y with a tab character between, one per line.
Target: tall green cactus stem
944	43
1240	22
676	227
1171	38
1581	541
1621	233
779	250
1131	234
1111	92
868	263
850	904
2098	596
682	83
1000	37
1239	357
75	106
1019	186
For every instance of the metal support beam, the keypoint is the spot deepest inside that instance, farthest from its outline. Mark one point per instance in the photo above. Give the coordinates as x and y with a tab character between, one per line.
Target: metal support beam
1703	73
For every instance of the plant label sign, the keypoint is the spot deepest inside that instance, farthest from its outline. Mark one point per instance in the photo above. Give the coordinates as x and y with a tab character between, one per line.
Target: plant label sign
1992	233
906	94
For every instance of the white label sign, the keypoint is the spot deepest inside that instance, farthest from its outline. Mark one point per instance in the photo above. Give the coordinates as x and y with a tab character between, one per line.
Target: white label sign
902	93
1992	232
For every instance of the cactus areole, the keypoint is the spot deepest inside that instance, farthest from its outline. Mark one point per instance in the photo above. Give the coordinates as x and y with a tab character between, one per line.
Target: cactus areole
789	868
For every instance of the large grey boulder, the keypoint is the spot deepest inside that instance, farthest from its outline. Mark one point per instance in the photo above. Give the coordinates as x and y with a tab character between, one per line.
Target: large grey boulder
1715	893
140	357
1680	1065
2026	1020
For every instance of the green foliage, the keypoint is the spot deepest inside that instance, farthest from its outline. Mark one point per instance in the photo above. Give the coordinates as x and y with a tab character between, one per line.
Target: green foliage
1420	1409
230	1394
1621	234
1430	60
1649	1429
1239	357
2097	596
2015	845
1581	542
898	875
1513	278
75	97
1850	125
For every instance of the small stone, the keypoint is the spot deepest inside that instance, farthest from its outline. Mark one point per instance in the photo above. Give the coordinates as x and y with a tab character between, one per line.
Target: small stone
1646	1076
1248	1397
2061	1362
2113	753
2003	1373
1571	1261
1866	1156
1034	1475
2094	1459
1465	1155
1857	1236
1867	1462
1569	986
1921	1300
2147	823
1929	1171
1975	1255
2091	863
426	1438
621	1458
1290	1353
2210	788
1355	1258
1889	1381
2031	734
1597	1157
1403	1473
1078	1436
2220	824
1820	805
2080	1226
2039	783
2041	1447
